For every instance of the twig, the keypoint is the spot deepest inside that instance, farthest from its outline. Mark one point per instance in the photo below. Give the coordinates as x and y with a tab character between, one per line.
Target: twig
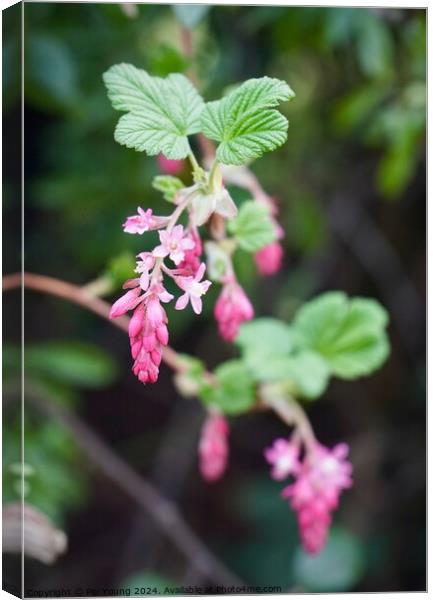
144	493
77	295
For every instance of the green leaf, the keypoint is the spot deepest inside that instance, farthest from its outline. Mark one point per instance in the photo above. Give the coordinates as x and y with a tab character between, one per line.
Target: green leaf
252	227
168	185
306	373
234	391
337	568
244	121
161	113
71	362
266	344
348	334
267	333
309	372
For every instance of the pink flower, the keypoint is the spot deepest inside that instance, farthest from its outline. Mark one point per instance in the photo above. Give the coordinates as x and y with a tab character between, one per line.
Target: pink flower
168	166
148	334
269	258
143	221
191	262
126	302
145	263
284	456
147	328
194	288
213	447
316	491
232	309
173	244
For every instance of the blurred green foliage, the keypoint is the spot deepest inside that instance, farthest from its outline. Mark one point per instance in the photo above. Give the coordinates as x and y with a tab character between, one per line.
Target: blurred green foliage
54	371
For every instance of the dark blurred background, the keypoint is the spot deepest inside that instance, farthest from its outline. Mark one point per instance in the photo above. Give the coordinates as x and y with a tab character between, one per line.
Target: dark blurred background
351	182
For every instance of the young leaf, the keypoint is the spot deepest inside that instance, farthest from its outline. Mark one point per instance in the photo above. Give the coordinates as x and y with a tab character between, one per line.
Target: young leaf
161	113
274	335
252	227
245	122
306	373
349	334
168	185
309	373
234	392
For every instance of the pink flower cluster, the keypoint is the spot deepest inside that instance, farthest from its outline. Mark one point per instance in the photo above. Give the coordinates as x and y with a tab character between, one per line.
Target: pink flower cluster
213	447
148	331
319	480
232	309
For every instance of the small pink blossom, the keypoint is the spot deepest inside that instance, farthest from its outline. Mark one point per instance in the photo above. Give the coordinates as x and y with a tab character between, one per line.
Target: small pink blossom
169	166
173	244
194	288
145	264
126	302
213	447
145	220
269	258
191	263
232	309
284	456
315	494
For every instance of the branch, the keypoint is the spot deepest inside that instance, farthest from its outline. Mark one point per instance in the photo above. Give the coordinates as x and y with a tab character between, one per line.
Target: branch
143	492
78	295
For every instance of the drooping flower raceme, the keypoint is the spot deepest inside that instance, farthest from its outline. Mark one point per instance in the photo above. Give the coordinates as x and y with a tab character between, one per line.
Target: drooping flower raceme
319	480
148	330
232	309
213	447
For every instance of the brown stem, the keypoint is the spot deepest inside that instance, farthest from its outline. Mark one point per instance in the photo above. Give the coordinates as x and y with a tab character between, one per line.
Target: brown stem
77	295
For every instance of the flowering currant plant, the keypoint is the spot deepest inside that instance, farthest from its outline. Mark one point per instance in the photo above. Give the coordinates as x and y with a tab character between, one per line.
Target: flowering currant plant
280	364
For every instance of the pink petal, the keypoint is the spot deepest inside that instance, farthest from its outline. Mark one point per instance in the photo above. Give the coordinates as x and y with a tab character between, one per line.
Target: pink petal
197	304
160	251
165	296
125	303
177	256
177	232
144	280
188	244
182	302
200	272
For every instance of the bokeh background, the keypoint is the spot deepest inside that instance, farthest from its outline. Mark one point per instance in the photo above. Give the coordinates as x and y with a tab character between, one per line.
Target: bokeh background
351	182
